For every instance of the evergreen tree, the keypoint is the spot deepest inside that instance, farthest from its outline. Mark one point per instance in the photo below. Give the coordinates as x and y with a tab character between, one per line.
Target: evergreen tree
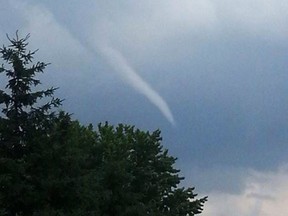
22	114
23	119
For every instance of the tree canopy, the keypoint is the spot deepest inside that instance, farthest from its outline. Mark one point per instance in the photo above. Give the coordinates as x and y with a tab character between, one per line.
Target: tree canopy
53	165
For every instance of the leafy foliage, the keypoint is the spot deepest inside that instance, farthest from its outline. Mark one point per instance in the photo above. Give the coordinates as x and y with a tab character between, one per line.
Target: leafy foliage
52	165
138	175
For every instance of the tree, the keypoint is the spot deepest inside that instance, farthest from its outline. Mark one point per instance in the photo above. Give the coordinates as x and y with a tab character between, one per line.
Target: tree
23	119
138	175
22	116
52	165
63	170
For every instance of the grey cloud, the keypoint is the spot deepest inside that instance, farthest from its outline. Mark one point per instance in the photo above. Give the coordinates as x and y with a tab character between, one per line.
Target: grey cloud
220	65
261	196
257	197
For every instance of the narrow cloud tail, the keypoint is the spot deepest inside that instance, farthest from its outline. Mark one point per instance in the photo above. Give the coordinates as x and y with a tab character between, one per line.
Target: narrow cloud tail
120	65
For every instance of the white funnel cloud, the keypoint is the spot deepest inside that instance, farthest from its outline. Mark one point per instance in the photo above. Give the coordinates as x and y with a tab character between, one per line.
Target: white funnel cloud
120	65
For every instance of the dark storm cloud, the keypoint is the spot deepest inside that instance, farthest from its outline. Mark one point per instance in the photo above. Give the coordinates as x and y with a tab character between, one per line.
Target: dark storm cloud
220	66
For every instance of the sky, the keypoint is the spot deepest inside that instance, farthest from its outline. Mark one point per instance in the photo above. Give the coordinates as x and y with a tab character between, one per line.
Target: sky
210	74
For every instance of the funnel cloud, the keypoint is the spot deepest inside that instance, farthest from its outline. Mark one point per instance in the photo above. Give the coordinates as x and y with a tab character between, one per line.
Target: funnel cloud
120	65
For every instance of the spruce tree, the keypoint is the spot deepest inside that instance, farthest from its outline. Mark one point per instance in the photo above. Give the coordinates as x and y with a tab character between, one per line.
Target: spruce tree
23	118
23	115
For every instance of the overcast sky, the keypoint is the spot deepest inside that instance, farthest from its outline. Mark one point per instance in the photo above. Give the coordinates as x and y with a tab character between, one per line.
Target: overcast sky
211	74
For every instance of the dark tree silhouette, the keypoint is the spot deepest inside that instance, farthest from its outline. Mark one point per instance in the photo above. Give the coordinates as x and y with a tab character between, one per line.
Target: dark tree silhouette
22	113
52	165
